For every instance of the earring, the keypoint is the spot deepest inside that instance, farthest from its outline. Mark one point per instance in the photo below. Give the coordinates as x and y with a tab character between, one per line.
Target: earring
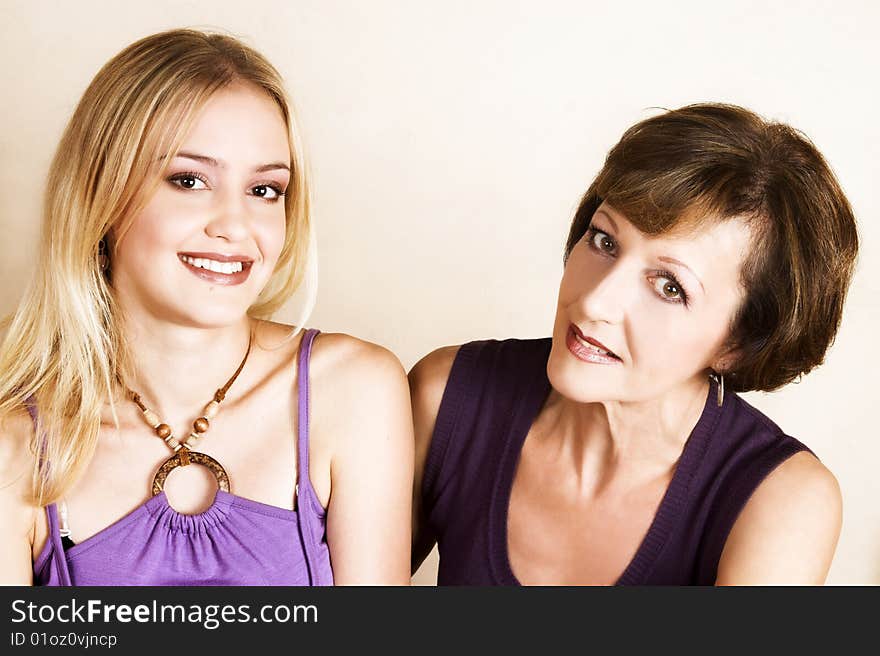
719	379
103	260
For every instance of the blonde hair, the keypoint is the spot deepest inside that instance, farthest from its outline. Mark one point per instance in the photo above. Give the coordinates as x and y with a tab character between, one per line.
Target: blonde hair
63	348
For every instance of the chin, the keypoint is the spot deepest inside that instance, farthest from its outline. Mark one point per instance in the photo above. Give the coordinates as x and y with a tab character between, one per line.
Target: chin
581	382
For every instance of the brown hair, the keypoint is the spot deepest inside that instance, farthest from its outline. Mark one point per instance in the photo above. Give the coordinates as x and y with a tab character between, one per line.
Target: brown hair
715	162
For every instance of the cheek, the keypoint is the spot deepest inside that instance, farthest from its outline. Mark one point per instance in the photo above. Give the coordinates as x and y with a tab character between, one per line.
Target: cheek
579	274
150	231
569	293
269	234
673	339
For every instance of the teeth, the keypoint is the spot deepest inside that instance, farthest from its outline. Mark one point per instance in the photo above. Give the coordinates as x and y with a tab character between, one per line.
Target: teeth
593	347
213	265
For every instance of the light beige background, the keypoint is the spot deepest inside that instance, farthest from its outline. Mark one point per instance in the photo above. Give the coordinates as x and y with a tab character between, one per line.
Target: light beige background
450	142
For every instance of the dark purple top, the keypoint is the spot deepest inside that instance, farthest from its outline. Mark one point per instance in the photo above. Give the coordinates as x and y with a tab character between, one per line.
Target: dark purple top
236	541
495	391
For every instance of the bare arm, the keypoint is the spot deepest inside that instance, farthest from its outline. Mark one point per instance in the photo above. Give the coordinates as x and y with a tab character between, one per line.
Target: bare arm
16	512
788	530
427	382
368	518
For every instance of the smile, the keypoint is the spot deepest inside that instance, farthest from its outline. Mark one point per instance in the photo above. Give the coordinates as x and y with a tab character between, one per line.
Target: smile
217	268
585	350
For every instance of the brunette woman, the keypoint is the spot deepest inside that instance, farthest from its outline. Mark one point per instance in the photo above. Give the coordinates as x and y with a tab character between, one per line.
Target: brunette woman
710	256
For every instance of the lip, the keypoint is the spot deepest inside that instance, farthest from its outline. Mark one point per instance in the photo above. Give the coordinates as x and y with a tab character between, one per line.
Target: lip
227	279
218	257
574	339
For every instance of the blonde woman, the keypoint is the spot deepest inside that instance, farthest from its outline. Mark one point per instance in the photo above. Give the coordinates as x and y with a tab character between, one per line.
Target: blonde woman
155	427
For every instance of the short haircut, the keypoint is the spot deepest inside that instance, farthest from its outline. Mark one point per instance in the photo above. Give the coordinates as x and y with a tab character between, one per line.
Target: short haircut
712	162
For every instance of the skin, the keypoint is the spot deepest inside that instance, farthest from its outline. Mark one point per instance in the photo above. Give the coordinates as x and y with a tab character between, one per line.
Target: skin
602	451
188	336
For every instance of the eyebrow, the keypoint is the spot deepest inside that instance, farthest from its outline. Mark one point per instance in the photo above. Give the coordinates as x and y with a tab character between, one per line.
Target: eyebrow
210	161
608	216
672	260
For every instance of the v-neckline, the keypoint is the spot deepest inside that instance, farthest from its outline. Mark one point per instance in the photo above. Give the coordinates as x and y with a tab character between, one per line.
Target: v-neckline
531	400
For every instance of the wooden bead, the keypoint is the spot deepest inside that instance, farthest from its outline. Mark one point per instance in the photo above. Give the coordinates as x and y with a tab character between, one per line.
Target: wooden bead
192	440
163	430
201	424
211	410
173	442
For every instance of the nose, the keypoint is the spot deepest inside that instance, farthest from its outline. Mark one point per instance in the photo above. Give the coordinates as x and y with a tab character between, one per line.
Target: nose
605	299
229	217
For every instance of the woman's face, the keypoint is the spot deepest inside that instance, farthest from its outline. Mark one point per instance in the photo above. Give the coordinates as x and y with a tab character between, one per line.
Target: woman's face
638	316
206	243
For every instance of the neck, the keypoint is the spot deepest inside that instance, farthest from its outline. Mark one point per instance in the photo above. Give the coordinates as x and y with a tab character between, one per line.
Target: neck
178	368
640	439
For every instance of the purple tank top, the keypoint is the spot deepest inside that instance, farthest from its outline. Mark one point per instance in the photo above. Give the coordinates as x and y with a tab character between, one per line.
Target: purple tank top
236	541
495	391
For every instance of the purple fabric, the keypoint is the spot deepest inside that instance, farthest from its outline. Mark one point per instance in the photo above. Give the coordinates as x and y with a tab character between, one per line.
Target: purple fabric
236	541
494	392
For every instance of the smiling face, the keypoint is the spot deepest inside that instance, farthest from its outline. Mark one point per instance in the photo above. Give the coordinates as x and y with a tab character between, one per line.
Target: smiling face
206	243
638	316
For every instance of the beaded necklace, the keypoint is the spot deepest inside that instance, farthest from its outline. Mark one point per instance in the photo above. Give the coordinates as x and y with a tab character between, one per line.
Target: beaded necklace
183	454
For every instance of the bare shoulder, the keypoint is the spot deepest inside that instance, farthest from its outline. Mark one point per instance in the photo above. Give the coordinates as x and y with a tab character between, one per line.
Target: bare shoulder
357	386
362	413
801	486
427	379
350	361
788	530
337	357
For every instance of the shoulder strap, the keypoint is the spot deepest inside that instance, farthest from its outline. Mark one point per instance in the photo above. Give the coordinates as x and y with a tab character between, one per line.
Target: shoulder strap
310	513
304	484
31	405
492	385
743	470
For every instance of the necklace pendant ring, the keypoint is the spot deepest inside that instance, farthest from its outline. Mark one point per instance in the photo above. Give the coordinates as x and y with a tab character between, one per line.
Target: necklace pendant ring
184	457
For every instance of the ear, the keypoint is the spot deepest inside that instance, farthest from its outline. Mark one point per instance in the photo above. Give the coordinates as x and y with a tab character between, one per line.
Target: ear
726	359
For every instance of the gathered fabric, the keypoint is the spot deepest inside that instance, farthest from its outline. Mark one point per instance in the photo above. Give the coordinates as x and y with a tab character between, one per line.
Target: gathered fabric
236	541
